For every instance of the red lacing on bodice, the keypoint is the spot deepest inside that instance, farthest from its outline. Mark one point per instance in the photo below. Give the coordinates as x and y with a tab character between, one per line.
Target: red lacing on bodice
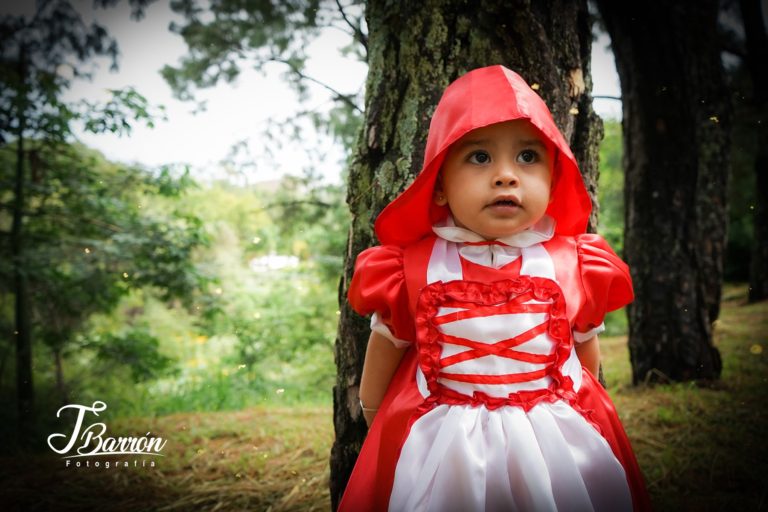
482	300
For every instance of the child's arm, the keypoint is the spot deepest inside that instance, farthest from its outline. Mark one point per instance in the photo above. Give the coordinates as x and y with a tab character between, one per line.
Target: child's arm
381	360
589	355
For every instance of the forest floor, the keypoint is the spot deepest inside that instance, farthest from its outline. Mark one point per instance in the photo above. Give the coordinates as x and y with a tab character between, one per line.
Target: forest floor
701	447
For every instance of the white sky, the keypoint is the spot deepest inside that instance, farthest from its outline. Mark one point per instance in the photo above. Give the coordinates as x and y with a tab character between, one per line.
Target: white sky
242	110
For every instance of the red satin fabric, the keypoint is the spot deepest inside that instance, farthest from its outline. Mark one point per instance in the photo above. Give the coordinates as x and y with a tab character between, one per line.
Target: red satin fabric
480	98
586	269
480	300
594	278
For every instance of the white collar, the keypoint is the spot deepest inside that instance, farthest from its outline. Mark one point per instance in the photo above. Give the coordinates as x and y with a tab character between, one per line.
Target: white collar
495	255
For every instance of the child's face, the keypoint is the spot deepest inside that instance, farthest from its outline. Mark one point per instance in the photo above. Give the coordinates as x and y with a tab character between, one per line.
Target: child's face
496	179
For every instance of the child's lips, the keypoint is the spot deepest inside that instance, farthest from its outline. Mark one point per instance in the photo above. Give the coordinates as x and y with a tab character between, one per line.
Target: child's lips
504	204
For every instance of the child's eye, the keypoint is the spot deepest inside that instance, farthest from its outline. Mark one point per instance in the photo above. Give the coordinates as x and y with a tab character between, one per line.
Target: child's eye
479	157
527	156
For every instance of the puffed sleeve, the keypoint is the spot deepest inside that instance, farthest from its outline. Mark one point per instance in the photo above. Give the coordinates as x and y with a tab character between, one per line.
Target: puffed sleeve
378	287
606	281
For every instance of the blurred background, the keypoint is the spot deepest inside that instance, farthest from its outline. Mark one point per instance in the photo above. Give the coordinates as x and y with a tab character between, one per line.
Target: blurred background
181	173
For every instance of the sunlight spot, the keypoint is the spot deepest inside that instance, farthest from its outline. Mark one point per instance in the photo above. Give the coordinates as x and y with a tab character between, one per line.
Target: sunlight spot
573	111
338	312
87	250
535	87
280	391
257	315
240	366
219	291
125	274
756	349
256	239
714	119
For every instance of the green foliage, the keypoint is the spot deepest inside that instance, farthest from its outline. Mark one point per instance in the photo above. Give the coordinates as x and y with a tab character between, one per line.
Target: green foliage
96	231
220	34
225	35
40	56
245	336
611	199
611	186
741	190
135	348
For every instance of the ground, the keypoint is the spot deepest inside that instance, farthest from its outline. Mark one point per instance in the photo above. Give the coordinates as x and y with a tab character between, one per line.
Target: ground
700	445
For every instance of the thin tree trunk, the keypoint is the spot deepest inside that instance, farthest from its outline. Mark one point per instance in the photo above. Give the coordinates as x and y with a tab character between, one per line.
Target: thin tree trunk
415	50
676	137
61	386
757	57
24	386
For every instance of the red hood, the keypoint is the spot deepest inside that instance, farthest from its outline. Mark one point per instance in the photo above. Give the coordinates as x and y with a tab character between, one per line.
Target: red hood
479	98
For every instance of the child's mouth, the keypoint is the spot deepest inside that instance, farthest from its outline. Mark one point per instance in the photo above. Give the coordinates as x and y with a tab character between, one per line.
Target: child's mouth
505	202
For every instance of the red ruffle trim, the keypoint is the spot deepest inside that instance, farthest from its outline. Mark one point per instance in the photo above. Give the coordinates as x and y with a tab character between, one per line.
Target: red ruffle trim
487	299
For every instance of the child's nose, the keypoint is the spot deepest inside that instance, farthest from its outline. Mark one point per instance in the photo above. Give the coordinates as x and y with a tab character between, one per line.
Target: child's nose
506	176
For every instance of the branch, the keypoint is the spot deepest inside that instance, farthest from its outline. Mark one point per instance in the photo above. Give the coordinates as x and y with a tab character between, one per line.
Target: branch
313	202
337	95
361	38
603	97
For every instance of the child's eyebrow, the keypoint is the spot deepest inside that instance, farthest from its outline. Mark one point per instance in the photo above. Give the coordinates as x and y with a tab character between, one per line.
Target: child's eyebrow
533	142
471	142
480	142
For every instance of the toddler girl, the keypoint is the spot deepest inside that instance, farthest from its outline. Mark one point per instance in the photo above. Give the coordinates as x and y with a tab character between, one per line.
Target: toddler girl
487	298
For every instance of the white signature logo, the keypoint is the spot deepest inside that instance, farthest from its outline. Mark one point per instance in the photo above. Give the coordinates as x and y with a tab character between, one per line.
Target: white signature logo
93	441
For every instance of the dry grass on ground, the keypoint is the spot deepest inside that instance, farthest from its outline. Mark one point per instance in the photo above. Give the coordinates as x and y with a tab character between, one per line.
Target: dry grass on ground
264	458
701	448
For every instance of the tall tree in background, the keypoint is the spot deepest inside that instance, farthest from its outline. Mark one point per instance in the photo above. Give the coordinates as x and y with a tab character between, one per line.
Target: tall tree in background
676	138
414	51
40	54
756	57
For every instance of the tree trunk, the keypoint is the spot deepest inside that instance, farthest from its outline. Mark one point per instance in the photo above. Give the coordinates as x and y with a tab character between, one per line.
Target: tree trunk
757	56
415	51
24	387
61	386
676	139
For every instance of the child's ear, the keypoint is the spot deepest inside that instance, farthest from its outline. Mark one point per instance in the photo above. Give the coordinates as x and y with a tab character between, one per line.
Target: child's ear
438	196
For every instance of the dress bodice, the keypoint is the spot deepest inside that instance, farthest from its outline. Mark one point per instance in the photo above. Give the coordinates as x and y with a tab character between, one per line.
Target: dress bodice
496	343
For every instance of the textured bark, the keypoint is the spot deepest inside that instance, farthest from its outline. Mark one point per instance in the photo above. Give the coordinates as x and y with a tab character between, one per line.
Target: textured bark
415	51
676	138
757	56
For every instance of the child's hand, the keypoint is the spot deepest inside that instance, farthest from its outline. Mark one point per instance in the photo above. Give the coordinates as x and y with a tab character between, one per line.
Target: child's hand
381	360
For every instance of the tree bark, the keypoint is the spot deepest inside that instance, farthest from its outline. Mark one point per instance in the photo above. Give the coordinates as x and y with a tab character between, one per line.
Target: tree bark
757	56
676	138
415	50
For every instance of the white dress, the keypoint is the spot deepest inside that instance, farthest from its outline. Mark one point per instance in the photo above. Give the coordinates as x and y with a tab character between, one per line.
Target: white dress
535	455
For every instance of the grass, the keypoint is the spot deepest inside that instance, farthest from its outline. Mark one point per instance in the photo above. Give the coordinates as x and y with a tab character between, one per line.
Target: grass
262	458
701	448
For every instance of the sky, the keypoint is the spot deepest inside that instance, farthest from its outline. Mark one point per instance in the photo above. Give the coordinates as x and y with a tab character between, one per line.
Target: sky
240	111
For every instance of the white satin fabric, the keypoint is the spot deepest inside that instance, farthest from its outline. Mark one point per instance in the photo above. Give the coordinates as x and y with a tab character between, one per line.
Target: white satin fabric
464	458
